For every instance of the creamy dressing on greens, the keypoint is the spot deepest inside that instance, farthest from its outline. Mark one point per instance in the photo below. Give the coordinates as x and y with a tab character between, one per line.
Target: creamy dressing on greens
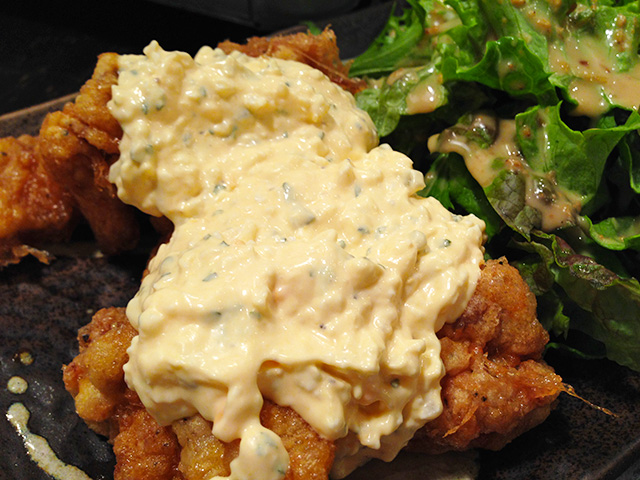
598	85
426	96
485	162
303	268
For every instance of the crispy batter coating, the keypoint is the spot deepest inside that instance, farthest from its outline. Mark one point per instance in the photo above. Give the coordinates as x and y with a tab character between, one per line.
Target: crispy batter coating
187	449
46	180
95	378
495	388
144	449
78	145
318	51
34	208
496	385
89	116
203	455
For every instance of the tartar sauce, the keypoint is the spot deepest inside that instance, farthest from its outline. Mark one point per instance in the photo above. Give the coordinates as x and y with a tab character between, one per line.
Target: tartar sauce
303	268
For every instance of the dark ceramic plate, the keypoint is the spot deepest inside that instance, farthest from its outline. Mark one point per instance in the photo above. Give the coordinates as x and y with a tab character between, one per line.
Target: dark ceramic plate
41	308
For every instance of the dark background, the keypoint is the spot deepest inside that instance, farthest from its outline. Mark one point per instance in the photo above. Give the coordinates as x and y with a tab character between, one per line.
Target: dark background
49	49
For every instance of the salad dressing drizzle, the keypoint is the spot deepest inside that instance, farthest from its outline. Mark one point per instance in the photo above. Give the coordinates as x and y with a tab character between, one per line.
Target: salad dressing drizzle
598	85
38	448
501	152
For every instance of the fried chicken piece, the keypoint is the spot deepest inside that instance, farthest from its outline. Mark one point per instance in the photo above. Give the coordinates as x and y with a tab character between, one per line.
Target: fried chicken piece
310	455
318	51
187	450
78	145
95	378
204	456
496	386
144	450
35	209
66	167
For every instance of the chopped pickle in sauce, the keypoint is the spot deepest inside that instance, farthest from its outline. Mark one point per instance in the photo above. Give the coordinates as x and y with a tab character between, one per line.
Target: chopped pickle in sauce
303	267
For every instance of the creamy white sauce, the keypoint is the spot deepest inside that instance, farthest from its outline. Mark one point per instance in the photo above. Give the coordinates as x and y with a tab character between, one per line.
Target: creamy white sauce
39	449
303	268
36	446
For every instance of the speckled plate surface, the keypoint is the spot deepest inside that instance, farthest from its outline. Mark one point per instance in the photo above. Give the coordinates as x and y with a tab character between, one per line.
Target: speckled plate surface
42	306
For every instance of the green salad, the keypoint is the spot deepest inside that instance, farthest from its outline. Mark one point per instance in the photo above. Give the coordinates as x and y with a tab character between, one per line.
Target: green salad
525	113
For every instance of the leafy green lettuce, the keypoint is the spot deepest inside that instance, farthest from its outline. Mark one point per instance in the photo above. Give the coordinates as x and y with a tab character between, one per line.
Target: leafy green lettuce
564	205
599	302
523	49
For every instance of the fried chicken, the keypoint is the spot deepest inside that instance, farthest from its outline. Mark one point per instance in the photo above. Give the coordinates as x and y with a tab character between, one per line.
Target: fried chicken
78	145
187	449
46	181
204	456
317	51
496	386
35	209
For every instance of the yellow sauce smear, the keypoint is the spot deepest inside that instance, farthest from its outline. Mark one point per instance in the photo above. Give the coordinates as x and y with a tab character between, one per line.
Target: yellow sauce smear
39	449
17	385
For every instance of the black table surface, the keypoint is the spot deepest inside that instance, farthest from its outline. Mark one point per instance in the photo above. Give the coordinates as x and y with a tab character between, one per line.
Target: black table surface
49	49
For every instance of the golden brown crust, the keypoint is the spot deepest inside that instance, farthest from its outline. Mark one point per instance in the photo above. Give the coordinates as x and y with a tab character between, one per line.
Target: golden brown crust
35	209
496	385
187	449
144	450
78	145
204	456
95	124
12	251
95	377
495	388
310	455
318	51
46	180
